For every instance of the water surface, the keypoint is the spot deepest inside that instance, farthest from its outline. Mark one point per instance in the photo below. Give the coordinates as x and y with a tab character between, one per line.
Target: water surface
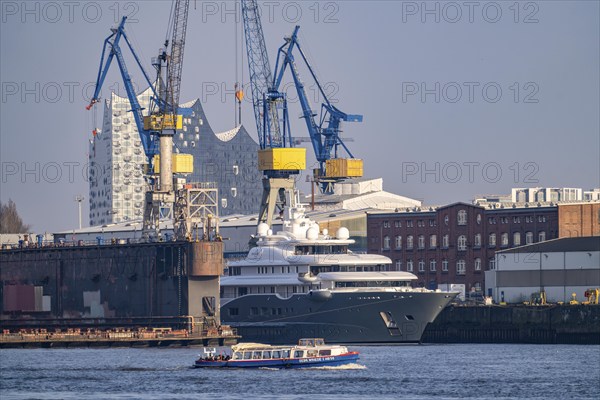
457	371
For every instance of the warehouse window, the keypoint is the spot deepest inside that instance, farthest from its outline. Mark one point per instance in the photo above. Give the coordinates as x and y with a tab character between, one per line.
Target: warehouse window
462	217
460	267
432	241
462	243
386	242
517	239
421	242
541	236
528	237
477	241
398	242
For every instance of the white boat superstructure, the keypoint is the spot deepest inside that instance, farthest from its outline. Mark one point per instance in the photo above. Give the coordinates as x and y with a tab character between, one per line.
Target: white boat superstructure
302	257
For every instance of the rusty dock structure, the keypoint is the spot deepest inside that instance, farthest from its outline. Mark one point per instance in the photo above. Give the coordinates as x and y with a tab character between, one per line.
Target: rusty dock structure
113	294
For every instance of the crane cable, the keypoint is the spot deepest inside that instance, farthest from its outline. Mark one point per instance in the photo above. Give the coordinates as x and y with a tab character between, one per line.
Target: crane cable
236	63
168	33
239	65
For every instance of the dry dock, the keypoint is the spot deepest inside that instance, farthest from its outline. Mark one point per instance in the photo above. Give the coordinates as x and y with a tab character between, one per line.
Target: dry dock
154	294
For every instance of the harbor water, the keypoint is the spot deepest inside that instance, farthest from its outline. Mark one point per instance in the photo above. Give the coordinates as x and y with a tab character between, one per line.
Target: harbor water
445	371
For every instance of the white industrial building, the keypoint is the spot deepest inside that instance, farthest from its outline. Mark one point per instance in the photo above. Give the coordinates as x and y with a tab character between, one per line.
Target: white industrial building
560	267
358	194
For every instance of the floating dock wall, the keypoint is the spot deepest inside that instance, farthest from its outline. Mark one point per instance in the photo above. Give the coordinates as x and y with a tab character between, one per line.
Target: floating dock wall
111	281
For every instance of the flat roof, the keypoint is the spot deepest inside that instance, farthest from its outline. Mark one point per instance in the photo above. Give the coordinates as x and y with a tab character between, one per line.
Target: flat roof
586	243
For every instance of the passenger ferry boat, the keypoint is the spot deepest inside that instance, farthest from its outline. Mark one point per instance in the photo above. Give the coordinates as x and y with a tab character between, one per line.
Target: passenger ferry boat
303	282
307	353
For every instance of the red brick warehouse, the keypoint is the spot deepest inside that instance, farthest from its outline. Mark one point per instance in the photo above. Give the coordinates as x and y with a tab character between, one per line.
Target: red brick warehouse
457	242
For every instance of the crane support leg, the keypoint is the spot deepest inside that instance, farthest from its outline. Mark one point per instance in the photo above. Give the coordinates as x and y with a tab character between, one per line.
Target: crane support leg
275	192
166	163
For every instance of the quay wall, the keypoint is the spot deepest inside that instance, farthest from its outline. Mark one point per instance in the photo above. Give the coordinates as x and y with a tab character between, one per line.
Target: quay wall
553	324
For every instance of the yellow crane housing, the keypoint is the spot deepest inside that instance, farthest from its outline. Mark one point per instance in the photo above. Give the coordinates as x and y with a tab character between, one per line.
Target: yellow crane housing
182	164
282	159
159	122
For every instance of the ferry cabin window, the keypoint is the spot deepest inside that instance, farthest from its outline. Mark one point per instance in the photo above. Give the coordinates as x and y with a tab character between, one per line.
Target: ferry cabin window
237	355
324	352
256	355
266	354
247	355
276	354
298	353
351	284
285	353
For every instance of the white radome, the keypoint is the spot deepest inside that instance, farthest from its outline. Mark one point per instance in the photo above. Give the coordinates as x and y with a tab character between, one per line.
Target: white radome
262	229
312	233
343	233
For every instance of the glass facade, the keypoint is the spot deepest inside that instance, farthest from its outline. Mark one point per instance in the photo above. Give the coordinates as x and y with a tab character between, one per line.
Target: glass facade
117	185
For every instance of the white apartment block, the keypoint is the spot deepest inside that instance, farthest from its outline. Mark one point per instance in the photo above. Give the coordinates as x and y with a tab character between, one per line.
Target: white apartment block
540	194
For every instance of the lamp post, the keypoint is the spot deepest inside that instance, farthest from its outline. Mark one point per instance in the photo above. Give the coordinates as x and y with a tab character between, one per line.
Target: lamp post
79	198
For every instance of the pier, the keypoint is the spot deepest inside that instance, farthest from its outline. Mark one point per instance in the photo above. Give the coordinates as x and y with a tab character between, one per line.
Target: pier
115	332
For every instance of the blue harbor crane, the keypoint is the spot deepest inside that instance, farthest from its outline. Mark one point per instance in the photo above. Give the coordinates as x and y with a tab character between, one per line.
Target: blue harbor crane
324	132
277	158
110	50
156	130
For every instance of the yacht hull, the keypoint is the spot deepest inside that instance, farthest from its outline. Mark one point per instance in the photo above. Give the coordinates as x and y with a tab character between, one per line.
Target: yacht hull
338	317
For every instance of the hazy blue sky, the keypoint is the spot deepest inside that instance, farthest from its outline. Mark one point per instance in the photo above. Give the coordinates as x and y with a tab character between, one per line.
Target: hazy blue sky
483	96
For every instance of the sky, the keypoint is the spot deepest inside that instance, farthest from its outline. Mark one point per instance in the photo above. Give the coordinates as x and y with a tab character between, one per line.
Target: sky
459	98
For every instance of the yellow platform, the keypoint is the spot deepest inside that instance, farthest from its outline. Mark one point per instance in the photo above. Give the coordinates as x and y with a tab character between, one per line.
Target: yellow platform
282	159
182	164
344	168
